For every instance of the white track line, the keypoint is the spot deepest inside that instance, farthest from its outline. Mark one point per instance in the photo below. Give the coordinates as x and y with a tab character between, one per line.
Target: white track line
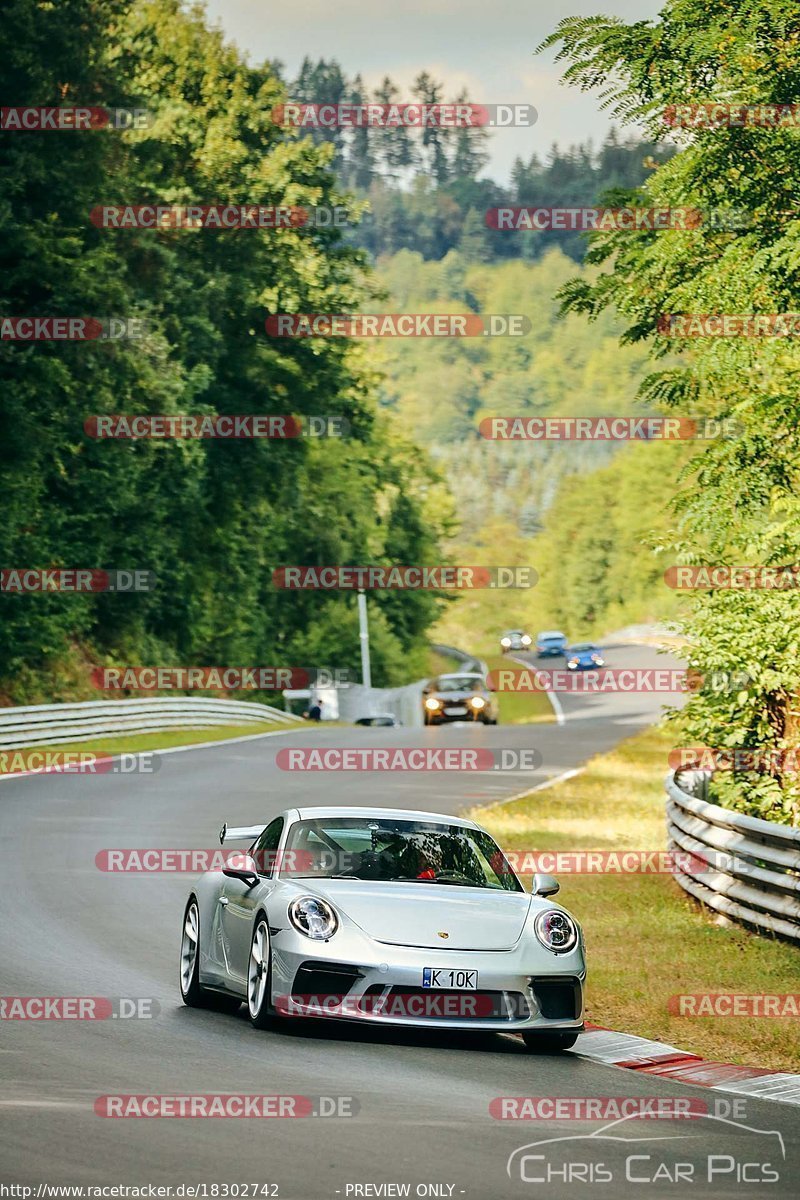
540	787
249	737
561	716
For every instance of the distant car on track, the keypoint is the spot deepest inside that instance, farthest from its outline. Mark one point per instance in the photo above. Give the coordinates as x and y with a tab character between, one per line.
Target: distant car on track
462	696
515	639
551	644
384	916
378	719
585	656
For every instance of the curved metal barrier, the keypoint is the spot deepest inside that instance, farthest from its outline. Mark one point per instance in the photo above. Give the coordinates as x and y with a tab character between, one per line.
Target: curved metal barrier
40	724
468	661
743	867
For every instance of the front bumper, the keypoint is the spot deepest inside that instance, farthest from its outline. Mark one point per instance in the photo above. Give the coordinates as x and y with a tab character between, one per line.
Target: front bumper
438	716
524	988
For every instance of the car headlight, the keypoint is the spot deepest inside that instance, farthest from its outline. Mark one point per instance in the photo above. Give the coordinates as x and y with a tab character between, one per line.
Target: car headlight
526	641
597	660
505	641
556	930
313	917
432	703
573	662
478	702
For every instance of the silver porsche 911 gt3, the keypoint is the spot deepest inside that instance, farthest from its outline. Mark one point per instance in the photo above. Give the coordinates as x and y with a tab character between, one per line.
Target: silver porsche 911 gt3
385	916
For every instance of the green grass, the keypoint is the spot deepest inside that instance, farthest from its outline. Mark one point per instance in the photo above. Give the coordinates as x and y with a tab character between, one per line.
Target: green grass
132	743
645	939
441	664
520	708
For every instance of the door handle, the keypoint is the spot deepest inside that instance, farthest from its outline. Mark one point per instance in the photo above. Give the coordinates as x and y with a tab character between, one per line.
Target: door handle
223	900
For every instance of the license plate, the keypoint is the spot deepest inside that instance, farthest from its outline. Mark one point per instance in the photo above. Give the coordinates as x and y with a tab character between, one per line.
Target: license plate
456	712
444	977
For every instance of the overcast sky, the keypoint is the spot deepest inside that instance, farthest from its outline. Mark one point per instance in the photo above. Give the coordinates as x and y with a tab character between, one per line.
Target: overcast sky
485	45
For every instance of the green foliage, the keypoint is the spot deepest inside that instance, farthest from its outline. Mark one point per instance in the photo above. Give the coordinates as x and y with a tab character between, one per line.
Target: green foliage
741	504
441	388
211	519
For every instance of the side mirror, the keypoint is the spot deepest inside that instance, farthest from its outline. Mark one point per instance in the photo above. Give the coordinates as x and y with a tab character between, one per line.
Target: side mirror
242	866
545	885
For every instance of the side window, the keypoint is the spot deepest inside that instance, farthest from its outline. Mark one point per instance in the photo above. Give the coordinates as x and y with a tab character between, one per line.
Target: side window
267	845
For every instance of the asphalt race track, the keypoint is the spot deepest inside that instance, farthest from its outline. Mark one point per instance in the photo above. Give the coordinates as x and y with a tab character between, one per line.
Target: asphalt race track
69	929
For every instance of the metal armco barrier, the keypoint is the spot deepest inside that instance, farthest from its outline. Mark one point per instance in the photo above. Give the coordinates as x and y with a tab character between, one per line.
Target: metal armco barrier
753	872
46	724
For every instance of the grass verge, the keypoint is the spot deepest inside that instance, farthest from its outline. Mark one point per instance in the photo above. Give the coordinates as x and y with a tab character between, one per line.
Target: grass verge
520	708
646	940
132	743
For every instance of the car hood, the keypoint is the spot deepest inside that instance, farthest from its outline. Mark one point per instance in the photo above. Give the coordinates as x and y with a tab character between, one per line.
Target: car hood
415	914
456	697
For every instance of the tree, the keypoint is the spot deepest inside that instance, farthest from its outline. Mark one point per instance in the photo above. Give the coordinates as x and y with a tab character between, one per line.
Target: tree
211	519
739	502
430	91
360	154
396	151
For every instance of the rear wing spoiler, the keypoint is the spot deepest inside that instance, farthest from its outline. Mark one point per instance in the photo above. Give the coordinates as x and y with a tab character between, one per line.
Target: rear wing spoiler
241	833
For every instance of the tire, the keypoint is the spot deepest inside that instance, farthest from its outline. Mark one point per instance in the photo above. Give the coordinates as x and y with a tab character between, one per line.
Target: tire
548	1043
259	976
192	993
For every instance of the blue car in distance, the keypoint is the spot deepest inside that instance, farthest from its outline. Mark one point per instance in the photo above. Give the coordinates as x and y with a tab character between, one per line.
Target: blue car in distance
551	644
585	656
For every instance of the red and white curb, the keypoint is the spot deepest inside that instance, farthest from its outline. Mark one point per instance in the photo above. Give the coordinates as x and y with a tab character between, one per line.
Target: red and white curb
658	1058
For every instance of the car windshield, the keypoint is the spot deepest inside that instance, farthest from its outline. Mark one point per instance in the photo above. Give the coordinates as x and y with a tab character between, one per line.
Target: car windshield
459	683
551	637
583	648
378	849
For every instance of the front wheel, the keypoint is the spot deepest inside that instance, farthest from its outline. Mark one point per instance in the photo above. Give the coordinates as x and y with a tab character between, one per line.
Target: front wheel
259	976
548	1043
192	993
